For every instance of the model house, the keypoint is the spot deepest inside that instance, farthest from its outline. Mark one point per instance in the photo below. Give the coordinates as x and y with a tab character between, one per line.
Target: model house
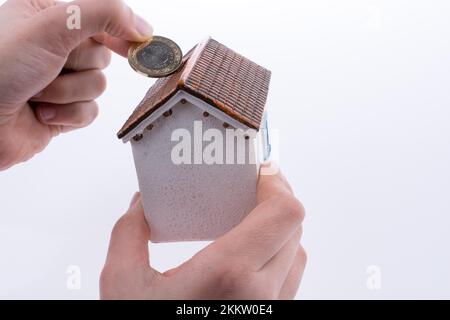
198	139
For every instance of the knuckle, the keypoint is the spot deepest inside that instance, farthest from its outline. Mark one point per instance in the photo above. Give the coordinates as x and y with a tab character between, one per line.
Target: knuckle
78	119
99	82
113	8
92	113
95	110
302	256
124	223
291	208
233	280
85	114
106	58
101	55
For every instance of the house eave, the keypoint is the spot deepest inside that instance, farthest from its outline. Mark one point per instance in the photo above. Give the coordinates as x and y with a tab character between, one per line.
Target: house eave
181	94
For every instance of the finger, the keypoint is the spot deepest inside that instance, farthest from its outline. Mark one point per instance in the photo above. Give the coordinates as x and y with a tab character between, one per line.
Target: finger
292	283
129	239
272	185
286	182
278	267
266	229
89	55
115	44
73	115
66	25
74	87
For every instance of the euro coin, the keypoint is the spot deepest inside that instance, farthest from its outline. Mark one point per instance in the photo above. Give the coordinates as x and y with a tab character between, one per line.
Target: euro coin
156	58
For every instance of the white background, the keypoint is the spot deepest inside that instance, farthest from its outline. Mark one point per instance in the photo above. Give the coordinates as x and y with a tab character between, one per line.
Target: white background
361	96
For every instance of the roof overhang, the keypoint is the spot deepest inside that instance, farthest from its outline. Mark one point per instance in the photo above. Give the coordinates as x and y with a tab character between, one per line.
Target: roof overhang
172	102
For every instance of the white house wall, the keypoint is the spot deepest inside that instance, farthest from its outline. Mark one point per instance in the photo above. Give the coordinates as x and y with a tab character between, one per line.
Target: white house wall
190	202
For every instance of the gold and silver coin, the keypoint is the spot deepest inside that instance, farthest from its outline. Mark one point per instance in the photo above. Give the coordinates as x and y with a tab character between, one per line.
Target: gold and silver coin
156	58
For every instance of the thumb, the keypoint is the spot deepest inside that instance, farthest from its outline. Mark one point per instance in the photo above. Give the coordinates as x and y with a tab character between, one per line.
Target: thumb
64	26
129	239
271	183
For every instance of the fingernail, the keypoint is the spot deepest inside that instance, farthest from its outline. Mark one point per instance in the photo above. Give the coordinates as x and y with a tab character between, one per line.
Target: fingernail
269	168
135	199
47	113
143	27
267	164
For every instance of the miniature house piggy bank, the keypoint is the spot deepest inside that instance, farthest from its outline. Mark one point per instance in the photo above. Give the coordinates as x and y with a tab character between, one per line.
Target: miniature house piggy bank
198	139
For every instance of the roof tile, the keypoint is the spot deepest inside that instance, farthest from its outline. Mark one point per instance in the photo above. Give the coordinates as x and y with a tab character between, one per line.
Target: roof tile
217	75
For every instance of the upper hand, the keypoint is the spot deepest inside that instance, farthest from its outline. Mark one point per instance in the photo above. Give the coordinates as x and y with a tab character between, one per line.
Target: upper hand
260	259
58	69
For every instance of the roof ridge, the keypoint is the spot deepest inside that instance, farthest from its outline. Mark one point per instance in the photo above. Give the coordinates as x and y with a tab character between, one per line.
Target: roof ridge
193	60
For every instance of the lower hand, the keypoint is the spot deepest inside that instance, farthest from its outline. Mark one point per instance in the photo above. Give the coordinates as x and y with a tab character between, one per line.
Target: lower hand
260	259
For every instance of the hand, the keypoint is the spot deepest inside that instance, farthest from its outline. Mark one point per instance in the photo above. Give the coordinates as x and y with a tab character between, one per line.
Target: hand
42	60
260	259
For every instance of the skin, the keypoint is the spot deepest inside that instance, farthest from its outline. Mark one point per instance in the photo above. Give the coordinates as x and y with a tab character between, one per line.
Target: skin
260	259
35	47
50	77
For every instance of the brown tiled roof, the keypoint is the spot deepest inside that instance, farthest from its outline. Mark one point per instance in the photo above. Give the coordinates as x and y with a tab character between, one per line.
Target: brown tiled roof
217	75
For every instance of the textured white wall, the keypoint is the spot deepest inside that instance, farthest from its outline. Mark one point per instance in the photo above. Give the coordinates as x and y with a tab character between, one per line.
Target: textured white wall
192	201
360	95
